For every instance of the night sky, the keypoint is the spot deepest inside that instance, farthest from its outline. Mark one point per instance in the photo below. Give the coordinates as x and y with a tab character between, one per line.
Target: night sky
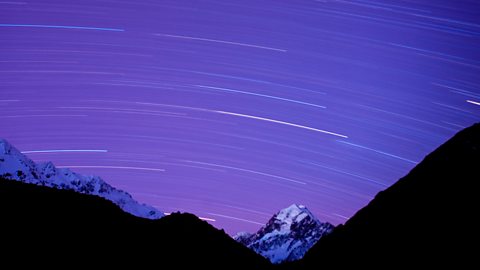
233	110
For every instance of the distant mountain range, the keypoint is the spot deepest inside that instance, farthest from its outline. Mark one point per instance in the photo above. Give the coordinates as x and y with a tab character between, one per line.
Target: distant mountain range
16	166
287	236
427	218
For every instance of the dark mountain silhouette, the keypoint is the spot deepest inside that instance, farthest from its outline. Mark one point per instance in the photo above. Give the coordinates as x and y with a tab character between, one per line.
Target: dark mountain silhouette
46	226
428	217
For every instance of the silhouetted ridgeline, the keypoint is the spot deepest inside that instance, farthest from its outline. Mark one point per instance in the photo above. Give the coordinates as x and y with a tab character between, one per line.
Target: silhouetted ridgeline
48	226
427	217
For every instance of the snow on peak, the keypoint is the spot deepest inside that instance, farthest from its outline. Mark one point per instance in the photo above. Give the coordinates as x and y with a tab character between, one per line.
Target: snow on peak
47	169
16	166
4	146
293	213
7	149
287	236
243	235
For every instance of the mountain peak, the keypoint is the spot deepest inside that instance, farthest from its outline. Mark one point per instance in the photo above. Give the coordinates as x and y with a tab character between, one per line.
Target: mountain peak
287	235
293	213
16	166
294	208
5	147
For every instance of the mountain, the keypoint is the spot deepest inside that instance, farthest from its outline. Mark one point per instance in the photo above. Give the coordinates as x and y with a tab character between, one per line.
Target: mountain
428	217
16	166
287	236
48	227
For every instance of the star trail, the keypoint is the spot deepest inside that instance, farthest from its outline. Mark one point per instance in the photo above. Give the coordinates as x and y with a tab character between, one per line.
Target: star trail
233	110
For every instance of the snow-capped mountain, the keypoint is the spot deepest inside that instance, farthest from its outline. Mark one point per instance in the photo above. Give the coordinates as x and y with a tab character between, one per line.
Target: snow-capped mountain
287	236
16	166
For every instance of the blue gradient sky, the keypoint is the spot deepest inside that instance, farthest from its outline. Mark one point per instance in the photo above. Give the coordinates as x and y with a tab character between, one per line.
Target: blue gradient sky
233	110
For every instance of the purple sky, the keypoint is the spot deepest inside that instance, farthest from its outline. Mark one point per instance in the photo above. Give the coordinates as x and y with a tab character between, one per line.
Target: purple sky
233	110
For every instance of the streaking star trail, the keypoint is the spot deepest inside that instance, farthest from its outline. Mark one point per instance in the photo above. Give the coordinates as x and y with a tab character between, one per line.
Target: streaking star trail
232	110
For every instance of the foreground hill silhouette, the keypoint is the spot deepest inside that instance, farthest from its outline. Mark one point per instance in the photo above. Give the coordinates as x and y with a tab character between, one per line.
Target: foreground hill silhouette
428	217
46	226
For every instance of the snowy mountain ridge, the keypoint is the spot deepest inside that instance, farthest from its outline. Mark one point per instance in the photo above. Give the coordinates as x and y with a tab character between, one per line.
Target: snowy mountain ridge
287	236
16	166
